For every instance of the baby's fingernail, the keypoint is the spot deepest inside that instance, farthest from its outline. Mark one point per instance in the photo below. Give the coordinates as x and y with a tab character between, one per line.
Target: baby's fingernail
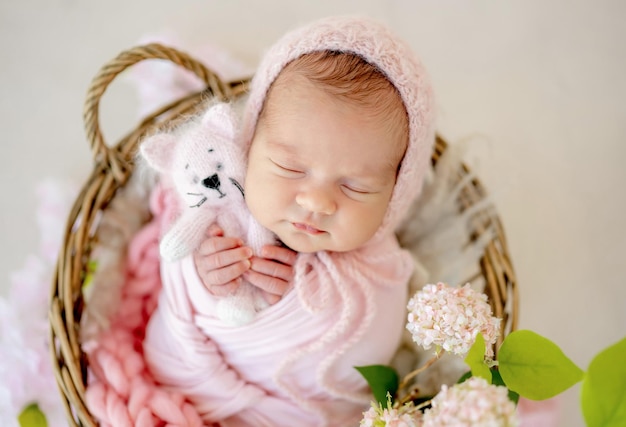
273	299
248	252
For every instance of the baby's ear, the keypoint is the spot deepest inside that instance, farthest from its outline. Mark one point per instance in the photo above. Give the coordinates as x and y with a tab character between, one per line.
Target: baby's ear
220	119
158	150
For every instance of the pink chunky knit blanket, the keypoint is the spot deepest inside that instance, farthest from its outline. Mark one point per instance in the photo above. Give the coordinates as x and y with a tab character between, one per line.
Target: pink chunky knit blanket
121	391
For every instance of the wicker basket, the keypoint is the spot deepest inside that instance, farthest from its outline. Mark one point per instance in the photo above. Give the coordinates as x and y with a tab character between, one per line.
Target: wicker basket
113	165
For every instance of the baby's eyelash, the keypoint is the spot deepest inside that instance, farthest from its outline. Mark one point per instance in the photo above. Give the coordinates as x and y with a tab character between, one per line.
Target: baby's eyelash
289	169
285	168
355	190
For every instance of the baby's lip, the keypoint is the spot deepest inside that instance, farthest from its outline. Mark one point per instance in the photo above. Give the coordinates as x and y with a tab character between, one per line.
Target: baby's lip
310	229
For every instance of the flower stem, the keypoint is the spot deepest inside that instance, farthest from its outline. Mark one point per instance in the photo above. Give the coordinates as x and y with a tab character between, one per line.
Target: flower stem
408	377
409	397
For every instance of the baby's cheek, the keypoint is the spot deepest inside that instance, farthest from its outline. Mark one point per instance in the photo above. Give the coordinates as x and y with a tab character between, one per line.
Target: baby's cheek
257	200
272	188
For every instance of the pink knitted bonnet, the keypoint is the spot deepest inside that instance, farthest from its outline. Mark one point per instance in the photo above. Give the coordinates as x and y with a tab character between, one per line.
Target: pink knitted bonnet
380	47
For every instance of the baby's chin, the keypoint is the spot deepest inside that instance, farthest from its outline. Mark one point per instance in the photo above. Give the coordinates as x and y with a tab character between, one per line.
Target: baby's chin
303	243
301	246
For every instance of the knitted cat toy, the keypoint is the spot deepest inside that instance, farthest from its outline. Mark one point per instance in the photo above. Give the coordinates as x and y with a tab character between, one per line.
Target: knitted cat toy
206	166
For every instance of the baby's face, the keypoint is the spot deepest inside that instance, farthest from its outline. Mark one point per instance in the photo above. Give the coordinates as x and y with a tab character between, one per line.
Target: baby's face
321	171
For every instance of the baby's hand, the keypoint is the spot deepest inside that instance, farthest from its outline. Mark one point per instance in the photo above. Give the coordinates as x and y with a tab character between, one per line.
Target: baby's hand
273	272
220	261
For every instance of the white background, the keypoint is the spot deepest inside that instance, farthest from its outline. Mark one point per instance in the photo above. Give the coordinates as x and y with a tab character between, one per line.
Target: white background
542	82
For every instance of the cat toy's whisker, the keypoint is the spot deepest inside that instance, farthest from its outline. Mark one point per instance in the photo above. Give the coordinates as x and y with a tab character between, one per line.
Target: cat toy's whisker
202	200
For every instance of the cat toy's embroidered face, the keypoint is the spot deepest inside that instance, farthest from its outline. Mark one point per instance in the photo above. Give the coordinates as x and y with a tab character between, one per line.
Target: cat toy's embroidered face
204	162
205	177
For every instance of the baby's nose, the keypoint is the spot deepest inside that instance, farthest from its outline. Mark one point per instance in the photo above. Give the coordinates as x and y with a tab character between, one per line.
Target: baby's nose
317	200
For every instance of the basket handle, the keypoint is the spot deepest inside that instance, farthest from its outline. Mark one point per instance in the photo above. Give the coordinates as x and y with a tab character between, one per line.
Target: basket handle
100	150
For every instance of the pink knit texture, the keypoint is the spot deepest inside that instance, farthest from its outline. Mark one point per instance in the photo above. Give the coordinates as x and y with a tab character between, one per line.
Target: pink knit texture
121	391
380	47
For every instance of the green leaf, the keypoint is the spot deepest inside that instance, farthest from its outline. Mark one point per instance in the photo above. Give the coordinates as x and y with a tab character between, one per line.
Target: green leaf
92	266
497	380
475	359
466	376
603	392
32	416
535	367
381	379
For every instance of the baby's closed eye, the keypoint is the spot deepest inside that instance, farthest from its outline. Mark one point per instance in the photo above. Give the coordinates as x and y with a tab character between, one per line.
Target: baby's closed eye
357	194
356	191
287	170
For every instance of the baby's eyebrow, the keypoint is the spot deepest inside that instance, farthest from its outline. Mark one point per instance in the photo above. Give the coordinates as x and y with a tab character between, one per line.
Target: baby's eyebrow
378	171
277	144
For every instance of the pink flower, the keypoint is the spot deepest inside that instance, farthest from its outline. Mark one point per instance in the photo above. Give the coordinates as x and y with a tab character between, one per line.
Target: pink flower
26	372
450	318
377	416
474	402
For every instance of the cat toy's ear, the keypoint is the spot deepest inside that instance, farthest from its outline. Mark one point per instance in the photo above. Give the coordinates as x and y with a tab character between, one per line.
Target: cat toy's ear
158	150
220	118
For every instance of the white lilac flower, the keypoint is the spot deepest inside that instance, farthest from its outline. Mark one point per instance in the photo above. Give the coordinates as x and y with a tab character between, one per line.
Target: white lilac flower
450	318
405	416
474	402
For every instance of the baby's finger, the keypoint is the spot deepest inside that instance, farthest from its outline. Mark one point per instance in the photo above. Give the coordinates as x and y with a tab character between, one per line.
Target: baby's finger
272	268
279	253
212	245
222	276
223	258
225	289
269	284
214	230
271	299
